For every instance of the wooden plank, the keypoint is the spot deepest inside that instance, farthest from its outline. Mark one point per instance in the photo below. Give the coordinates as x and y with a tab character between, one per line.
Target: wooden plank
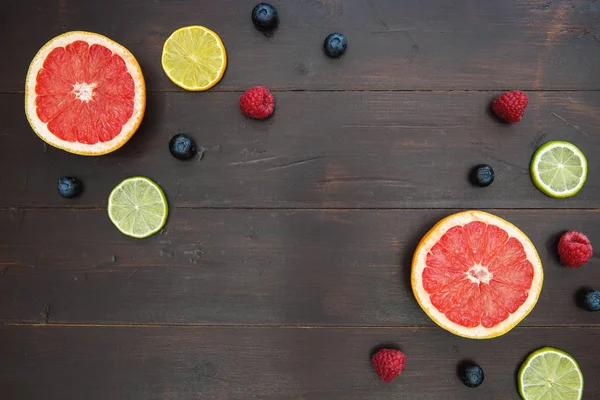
268	363
342	149
463	44
292	267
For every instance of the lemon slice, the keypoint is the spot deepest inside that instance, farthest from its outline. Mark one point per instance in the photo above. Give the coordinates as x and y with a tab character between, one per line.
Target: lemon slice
550	374
194	58
138	207
558	169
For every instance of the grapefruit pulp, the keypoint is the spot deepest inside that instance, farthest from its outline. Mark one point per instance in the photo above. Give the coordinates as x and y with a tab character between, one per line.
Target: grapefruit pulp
84	93
476	275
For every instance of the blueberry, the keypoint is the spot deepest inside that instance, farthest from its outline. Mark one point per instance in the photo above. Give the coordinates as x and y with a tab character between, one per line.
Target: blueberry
590	300
471	375
69	187
335	45
482	175
264	17
182	147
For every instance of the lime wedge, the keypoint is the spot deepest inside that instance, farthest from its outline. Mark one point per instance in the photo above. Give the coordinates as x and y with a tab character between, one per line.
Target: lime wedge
550	373
138	207
558	169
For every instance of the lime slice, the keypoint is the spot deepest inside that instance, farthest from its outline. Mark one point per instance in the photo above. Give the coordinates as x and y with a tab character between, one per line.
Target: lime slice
558	169
138	207
550	373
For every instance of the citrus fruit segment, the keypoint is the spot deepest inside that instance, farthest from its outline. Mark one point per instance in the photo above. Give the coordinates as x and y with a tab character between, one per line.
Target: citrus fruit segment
550	374
138	207
558	169
476	275
194	58
84	93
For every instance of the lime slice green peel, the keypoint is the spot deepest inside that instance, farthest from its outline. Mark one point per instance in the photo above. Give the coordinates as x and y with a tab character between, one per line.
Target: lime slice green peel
558	169
138	207
550	374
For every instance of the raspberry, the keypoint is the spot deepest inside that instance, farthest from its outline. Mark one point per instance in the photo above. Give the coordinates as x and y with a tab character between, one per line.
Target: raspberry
257	103
510	106
574	249
388	364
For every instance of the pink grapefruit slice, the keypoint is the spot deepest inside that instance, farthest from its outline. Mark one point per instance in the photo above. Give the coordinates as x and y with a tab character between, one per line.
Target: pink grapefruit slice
84	93
476	275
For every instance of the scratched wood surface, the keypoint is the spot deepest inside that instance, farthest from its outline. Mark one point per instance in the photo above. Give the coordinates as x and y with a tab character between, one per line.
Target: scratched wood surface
326	149
159	363
284	263
401	44
276	267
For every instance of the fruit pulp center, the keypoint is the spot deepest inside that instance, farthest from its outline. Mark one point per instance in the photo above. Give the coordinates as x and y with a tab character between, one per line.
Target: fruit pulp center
480	274
477	275
84	91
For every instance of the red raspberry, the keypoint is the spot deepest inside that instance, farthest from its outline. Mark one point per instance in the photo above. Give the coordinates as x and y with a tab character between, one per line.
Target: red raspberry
510	106
257	102
388	364
574	249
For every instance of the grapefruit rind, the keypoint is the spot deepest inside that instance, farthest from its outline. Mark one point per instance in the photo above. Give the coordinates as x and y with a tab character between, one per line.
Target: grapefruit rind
100	148
419	264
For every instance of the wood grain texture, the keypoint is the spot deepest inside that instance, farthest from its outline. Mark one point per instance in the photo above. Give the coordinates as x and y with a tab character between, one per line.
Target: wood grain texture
286	258
402	44
290	267
268	363
342	149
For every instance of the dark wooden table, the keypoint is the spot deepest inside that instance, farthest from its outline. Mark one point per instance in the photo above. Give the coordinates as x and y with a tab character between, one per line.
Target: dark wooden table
285	261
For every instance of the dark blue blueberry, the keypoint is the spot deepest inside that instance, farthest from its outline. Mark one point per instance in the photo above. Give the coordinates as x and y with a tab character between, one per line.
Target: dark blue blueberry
590	300
182	147
471	375
69	187
482	175
264	17
335	45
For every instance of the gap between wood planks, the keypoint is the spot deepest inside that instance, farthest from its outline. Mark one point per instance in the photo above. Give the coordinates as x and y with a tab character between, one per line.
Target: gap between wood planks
529	90
265	326
93	208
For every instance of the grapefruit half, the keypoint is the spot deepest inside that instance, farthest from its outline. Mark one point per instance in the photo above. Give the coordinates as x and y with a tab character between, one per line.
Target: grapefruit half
84	93
476	275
